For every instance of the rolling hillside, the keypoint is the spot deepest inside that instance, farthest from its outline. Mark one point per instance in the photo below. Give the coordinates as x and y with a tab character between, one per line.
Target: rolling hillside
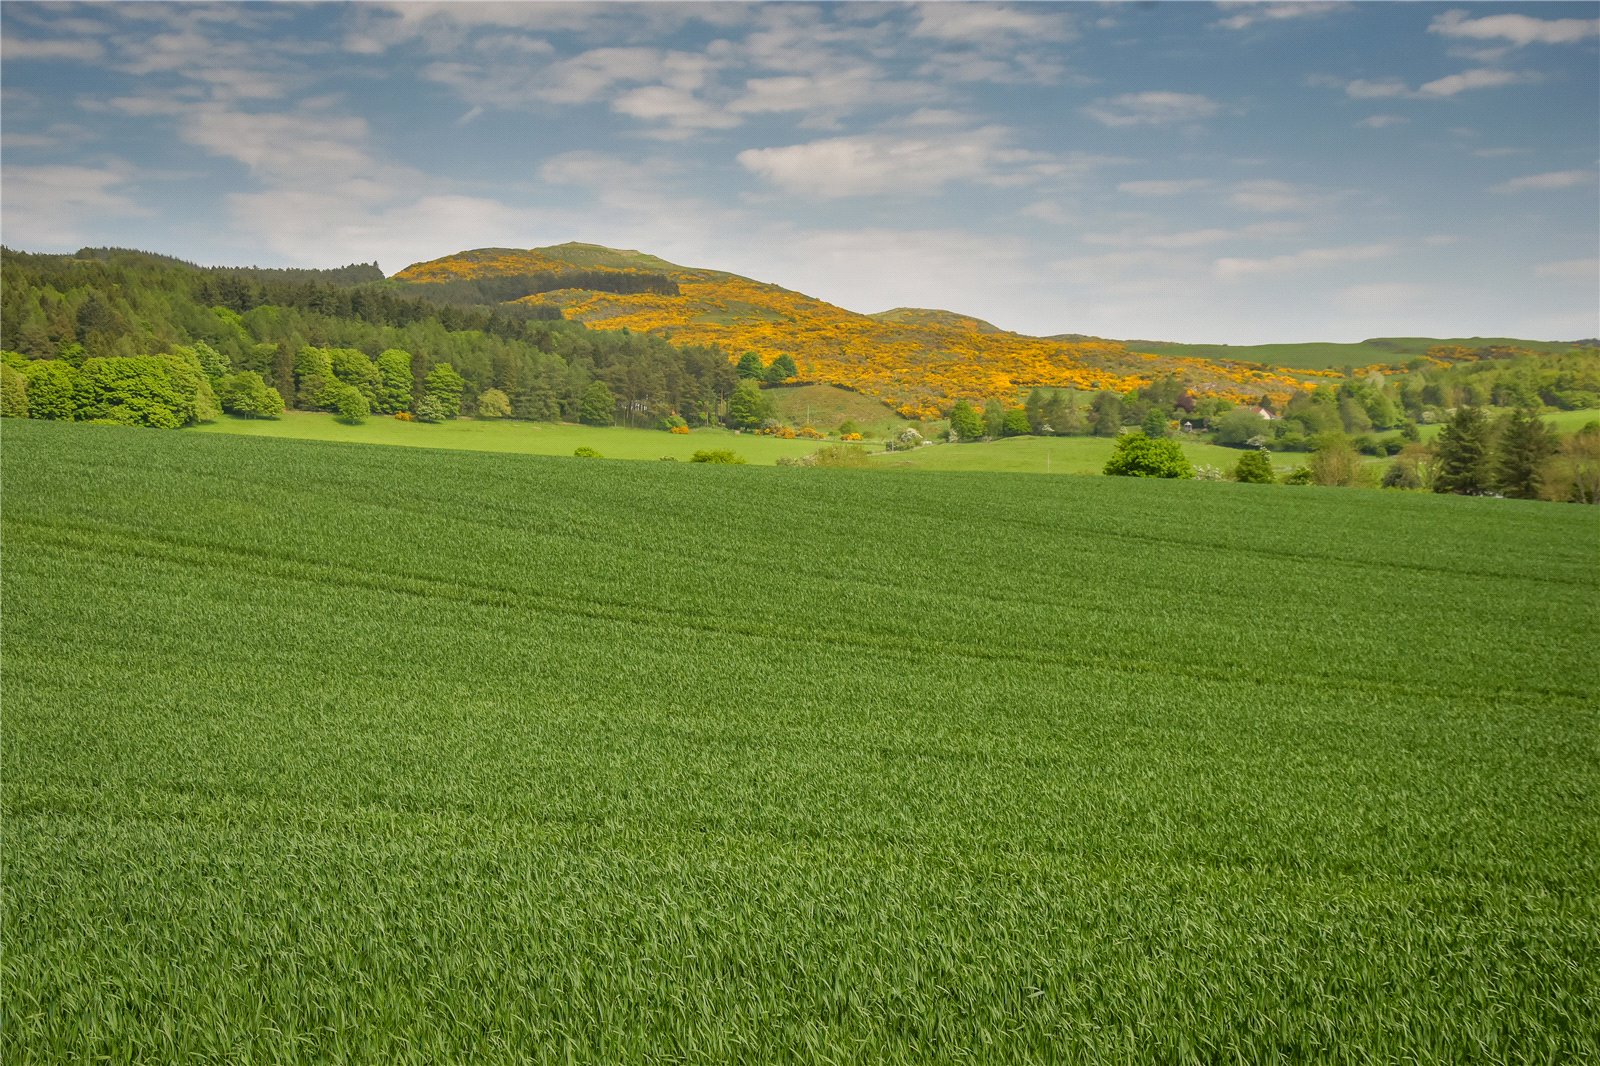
1376	351
916	360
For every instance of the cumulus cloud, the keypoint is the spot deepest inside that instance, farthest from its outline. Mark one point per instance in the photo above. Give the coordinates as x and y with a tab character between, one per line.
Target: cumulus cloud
875	164
1518	29
1555	179
1249	14
1482	78
829	95
990	24
1229	269
1382	122
52	206
1151	109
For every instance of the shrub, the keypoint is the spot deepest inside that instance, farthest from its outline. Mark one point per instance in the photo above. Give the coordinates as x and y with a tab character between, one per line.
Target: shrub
54	389
809	433
717	455
1254	468
351	405
586	452
1137	455
247	395
672	423
403	416
850	436
430	410
682	431
493	403
840	455
163	391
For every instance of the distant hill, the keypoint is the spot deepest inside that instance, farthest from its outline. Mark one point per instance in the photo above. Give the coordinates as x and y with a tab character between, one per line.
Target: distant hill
1386	351
923	316
917	360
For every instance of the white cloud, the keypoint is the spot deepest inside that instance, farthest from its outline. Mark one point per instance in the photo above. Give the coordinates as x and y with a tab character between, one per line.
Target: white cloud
1438	89
1555	179
1151	109
678	108
1386	297
1483	78
1229	269
1194	238
53	206
878	164
829	95
1570	269
1518	29
1248	14
1382	122
286	148
1271	196
1017	68
17	49
990	25
1174	187
1051	211
584	78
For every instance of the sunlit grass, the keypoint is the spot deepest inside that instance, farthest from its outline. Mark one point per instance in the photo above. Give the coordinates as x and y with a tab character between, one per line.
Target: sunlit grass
324	753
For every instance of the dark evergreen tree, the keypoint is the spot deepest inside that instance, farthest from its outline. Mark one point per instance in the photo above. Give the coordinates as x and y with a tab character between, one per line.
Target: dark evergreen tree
1525	442
1465	465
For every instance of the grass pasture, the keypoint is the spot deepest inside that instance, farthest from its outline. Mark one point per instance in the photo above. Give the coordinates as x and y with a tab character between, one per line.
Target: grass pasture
526	438
826	407
314	752
1053	455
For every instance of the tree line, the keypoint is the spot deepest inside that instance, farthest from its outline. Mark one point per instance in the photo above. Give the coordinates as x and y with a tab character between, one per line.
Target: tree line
524	361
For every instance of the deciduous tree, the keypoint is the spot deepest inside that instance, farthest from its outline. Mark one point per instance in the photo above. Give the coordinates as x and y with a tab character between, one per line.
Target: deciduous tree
1137	455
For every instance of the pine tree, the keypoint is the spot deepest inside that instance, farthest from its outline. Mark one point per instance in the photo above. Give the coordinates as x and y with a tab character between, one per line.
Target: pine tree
1525	443
1464	460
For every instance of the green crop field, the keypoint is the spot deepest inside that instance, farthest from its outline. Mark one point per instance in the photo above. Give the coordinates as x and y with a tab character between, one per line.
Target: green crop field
314	752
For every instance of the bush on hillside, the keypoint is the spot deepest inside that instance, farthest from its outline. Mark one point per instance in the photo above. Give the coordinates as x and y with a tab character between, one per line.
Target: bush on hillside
1137	455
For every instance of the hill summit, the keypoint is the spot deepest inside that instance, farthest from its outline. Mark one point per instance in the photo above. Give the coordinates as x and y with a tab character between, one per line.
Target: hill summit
917	360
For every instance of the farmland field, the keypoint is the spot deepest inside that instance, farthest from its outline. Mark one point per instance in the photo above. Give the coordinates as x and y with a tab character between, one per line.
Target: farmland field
1035	455
314	752
529	438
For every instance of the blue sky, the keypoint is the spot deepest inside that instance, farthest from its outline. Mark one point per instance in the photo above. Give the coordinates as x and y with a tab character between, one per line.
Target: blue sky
1234	173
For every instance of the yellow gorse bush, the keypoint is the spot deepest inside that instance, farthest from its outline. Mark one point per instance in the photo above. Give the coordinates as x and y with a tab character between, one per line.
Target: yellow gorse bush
918	362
